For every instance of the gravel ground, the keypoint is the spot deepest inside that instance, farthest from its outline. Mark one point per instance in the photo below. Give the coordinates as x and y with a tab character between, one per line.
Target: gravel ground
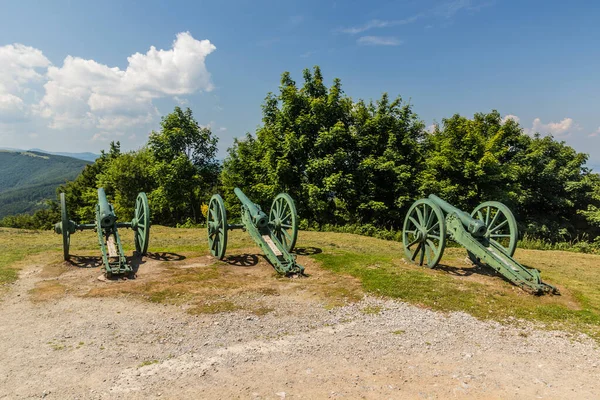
104	348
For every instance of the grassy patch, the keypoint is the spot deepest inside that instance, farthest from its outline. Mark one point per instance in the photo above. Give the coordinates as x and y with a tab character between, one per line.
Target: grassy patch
147	362
458	286
46	291
262	310
215	307
341	268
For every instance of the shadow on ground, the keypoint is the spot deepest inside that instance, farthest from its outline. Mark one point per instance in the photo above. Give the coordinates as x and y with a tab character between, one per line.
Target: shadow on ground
307	251
164	256
242	260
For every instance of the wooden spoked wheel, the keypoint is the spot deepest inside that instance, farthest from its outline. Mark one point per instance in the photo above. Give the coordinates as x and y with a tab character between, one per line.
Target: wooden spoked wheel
424	233
217	227
284	220
142	224
501	225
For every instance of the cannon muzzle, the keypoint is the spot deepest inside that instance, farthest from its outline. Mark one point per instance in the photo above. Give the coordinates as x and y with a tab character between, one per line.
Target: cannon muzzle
259	218
474	226
105	211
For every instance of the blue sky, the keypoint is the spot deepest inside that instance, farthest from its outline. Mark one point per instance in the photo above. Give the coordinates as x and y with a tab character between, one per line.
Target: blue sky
73	88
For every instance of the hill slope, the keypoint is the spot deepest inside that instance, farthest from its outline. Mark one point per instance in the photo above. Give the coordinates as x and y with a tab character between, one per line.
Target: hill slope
87	156
29	178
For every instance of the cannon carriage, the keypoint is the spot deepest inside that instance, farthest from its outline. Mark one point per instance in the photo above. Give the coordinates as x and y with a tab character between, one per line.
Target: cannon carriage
106	225
489	234
275	234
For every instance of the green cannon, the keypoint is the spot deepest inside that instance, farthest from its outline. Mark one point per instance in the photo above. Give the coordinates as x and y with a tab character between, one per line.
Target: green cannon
113	257
275	234
489	234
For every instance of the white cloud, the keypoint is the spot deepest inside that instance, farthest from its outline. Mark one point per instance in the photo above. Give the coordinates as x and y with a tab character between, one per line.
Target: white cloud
19	67
106	136
595	133
85	93
430	128
378	41
376	23
510	116
452	7
9	103
559	129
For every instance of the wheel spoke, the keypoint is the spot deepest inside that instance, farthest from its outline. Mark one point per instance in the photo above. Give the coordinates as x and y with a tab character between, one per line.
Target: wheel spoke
494	219
499	226
499	236
429	219
433	236
432	246
487	216
434	225
414	222
414	255
419	216
287	235
413	243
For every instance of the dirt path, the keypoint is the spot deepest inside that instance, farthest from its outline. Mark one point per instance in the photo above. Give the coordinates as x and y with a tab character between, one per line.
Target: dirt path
100	348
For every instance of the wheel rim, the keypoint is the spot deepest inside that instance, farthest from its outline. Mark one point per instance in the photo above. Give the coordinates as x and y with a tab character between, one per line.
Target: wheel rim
501	225
217	227
142	231
283	219
424	233
66	233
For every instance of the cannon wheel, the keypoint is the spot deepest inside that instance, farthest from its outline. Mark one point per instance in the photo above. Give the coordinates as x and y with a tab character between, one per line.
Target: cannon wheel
424	233
217	227
142	231
284	220
66	233
501	225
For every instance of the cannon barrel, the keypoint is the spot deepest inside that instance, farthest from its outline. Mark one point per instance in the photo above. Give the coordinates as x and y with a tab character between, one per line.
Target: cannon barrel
259	218
474	226
106	214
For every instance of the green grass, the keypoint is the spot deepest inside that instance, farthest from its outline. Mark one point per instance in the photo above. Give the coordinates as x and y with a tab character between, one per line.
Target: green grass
147	362
458	287
349	265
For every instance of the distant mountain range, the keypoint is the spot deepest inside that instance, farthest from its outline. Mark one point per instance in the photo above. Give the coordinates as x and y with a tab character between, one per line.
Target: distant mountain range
80	156
28	178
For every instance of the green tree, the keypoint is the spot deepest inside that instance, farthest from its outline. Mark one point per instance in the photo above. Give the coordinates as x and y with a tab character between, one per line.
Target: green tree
184	167
342	162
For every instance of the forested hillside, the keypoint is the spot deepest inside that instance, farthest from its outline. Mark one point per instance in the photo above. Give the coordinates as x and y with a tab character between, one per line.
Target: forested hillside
27	179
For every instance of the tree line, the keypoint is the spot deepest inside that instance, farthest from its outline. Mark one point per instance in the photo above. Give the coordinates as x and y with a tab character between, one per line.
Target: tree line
347	162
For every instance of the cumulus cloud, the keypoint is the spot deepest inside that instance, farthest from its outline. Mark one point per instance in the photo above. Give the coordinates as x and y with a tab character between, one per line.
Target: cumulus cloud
85	93
510	116
559	129
19	67
378	41
595	133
